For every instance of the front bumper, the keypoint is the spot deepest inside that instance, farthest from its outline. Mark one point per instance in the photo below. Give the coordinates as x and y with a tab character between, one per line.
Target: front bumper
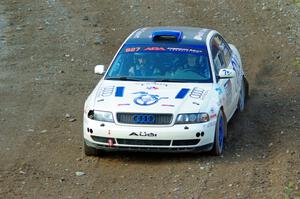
175	138
207	147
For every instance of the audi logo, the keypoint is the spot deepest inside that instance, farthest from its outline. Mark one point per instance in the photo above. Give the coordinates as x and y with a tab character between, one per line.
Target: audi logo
143	119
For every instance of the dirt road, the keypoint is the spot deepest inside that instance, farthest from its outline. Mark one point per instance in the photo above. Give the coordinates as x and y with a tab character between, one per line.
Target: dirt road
48	49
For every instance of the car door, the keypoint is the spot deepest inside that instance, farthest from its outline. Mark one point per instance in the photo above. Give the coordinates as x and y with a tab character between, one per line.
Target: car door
221	55
232	63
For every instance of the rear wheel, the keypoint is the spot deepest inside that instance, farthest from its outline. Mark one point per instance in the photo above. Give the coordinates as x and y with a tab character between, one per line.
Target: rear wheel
89	151
242	98
220	132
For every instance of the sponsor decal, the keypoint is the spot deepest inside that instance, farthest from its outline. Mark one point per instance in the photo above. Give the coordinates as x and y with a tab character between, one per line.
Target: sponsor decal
196	92
126	104
204	95
182	93
146	99
186	50
212	113
213	116
199	35
154	48
219	90
143	134
237	69
228	88
138	33
210	124
143	119
226	72
152	84
170	105
235	62
152	88
105	91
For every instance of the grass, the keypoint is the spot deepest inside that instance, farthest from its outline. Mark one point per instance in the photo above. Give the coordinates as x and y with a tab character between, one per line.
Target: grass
297	2
289	191
297	62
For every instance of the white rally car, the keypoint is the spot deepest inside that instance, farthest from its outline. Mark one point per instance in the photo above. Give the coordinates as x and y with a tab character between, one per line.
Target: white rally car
170	89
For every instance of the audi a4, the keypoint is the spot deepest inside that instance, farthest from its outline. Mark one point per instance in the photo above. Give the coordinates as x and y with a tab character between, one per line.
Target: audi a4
167	89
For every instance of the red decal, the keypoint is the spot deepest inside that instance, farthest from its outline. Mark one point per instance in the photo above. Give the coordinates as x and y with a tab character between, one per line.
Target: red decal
110	142
213	116
154	49
152	87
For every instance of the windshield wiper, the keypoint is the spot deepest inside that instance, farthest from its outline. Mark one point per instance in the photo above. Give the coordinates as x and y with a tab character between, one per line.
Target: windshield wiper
122	78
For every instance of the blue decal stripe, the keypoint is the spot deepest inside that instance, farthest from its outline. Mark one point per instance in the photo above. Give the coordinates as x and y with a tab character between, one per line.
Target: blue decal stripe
227	83
182	93
119	91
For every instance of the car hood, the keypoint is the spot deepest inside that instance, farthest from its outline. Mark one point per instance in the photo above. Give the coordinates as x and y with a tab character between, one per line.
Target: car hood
151	97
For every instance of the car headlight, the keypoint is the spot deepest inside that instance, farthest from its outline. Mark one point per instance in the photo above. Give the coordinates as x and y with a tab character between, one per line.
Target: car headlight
103	116
191	118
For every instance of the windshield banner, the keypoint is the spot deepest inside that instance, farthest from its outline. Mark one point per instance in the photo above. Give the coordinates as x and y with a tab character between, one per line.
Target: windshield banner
146	49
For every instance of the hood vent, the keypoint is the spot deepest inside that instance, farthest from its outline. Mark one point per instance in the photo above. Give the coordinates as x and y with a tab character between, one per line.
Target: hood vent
167	35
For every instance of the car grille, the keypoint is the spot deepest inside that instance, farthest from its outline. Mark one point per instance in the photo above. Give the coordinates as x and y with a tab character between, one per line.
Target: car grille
102	139
144	142
144	118
185	142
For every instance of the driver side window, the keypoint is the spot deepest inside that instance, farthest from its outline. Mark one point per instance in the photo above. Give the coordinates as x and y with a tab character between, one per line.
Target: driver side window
217	54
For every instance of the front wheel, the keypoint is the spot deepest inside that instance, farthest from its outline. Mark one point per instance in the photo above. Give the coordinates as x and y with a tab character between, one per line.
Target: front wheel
221	130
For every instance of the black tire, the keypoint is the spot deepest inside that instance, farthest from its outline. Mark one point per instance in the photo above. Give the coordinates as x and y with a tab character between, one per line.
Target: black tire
89	151
220	132
242	97
246	88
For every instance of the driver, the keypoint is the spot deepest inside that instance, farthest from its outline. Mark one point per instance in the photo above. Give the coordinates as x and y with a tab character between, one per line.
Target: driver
191	65
191	62
195	64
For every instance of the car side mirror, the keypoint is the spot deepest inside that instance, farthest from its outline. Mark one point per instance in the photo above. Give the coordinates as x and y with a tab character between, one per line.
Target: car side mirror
226	73
99	69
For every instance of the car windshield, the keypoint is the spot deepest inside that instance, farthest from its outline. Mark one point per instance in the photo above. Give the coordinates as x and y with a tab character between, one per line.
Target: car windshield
160	63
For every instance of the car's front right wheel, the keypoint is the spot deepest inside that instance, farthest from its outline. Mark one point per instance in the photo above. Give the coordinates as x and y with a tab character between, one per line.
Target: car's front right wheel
220	131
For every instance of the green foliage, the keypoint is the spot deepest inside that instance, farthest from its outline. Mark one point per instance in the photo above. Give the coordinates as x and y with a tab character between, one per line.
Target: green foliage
289	191
289	188
297	2
297	62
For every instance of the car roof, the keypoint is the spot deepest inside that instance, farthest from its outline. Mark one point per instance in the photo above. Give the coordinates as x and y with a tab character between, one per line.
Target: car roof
182	35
